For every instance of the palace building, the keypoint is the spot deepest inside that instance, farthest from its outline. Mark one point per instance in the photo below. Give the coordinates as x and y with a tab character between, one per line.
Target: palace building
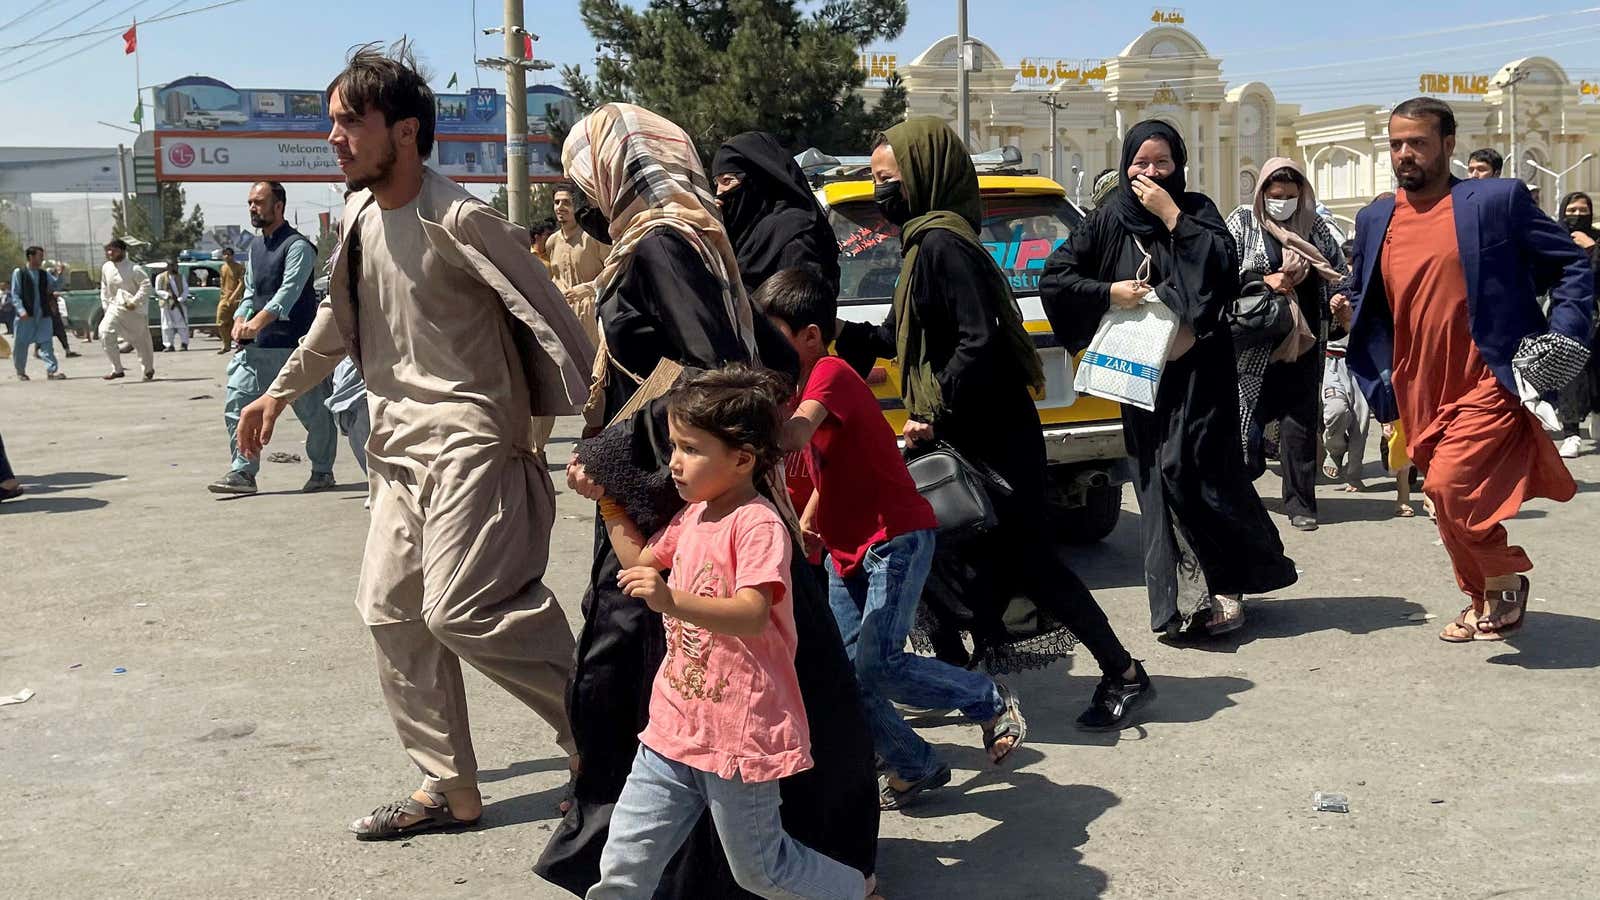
1166	73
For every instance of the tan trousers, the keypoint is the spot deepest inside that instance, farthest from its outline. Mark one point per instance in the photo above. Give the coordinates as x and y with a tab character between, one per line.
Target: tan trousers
454	571
225	311
542	426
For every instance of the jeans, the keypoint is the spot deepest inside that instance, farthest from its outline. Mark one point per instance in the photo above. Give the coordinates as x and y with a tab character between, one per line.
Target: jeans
34	331
659	807
875	608
356	427
250	372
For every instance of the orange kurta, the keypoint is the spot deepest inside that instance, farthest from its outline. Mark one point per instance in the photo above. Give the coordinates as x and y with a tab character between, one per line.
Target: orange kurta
1481	452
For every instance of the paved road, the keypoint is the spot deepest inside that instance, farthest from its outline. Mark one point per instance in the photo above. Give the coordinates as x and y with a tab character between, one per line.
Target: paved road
248	727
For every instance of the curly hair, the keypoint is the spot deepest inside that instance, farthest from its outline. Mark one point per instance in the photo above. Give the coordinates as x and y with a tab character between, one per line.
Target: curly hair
738	405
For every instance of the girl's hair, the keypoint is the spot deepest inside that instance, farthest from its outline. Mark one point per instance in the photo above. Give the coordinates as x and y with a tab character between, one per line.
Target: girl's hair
739	405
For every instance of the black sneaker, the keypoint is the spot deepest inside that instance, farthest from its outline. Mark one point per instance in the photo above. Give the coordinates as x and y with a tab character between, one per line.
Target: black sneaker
233	483
1116	700
319	483
1303	523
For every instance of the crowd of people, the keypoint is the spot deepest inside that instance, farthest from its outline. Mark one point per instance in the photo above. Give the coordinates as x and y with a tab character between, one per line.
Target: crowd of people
729	707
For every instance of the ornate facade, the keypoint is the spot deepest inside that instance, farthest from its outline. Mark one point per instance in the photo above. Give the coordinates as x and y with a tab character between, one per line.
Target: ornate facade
1166	73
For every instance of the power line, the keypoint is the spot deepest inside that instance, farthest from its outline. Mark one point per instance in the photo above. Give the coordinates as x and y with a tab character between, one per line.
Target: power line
56	40
77	15
94	31
159	17
25	14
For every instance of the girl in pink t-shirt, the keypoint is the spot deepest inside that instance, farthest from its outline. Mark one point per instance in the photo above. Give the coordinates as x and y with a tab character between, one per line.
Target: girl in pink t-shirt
726	718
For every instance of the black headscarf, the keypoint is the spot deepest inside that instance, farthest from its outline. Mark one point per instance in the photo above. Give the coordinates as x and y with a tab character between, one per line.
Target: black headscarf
772	217
1129	211
1586	223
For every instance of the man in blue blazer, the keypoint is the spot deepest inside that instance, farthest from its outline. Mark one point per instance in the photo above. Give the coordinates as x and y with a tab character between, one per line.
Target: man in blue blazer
1447	276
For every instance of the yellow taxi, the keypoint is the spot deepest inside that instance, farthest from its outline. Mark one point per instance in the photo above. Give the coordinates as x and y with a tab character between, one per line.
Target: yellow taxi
1025	218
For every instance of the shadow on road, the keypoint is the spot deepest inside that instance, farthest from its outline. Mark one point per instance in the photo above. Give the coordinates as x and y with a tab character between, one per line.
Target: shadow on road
30	503
526	767
1271	619
60	481
1553	641
1031	850
347	488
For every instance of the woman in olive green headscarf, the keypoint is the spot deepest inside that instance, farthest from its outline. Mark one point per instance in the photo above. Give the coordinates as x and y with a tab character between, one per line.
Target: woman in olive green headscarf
967	368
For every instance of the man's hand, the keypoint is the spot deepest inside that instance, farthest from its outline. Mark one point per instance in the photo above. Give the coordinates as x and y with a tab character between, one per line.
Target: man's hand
1342	311
1582	239
238	329
645	583
579	481
917	432
255	424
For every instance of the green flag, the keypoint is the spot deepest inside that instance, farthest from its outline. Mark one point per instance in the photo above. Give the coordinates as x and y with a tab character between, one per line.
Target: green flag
138	112
452	81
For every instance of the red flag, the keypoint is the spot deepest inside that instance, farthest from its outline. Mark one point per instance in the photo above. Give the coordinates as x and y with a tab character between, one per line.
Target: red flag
130	40
527	46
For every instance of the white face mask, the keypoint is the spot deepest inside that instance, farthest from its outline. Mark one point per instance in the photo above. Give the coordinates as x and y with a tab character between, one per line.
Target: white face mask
1282	210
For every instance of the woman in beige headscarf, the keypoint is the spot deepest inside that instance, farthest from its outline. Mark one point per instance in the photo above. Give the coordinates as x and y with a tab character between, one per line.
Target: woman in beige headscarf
670	290
1285	243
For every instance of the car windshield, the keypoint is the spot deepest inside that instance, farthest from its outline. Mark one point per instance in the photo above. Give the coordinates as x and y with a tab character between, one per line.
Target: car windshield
1019	232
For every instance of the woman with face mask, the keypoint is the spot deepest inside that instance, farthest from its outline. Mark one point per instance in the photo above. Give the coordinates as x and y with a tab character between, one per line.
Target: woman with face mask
769	211
670	289
1581	398
1207	539
1283	242
966	367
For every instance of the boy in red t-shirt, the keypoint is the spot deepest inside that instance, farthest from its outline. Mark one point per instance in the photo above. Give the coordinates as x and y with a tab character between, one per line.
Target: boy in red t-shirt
879	534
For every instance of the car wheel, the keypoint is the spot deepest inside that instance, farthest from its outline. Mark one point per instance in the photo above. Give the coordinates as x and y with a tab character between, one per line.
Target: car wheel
1095	519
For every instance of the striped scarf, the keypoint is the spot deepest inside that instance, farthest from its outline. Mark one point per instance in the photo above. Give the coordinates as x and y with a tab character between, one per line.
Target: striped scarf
643	172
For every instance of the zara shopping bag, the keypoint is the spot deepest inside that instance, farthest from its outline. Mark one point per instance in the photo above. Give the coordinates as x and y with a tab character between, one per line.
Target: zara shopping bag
1130	348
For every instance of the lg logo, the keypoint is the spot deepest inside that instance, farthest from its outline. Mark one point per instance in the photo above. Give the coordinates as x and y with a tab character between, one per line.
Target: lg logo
182	156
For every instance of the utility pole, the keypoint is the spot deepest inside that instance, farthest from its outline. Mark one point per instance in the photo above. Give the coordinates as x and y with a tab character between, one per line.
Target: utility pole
963	62
516	63
1517	75
1055	107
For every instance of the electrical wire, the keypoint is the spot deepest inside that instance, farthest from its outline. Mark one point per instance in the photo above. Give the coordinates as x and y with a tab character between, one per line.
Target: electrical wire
161	16
18	59
26	13
68	20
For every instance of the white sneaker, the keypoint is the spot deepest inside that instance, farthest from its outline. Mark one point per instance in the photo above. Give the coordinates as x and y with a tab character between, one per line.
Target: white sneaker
1571	447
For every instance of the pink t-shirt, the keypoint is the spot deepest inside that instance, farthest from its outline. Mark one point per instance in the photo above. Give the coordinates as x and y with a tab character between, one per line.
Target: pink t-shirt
724	704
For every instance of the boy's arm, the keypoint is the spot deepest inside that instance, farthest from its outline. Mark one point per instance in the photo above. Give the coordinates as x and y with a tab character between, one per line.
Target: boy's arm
797	432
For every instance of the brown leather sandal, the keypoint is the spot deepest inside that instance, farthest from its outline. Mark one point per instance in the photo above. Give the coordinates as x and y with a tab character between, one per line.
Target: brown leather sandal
382	824
1493	626
1463	633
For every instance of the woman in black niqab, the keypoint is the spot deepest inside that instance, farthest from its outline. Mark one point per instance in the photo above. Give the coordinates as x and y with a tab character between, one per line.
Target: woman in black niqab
771	216
1207	539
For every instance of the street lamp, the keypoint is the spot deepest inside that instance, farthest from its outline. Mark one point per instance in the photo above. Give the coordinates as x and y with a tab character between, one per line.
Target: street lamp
1560	175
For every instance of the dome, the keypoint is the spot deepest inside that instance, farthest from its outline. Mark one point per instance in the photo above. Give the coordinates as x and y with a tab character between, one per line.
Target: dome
943	53
1540	70
1165	41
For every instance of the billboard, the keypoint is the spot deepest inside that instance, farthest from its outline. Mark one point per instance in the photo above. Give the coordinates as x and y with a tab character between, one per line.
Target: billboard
207	130
58	170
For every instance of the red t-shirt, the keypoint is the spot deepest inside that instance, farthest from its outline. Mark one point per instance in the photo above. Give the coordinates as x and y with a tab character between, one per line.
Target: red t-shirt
867	494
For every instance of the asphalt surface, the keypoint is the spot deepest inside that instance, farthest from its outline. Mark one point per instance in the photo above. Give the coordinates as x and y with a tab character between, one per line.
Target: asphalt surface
245	728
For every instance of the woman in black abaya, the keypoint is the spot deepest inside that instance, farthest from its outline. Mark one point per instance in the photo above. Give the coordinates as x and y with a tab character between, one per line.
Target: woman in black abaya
670	290
771	215
1207	539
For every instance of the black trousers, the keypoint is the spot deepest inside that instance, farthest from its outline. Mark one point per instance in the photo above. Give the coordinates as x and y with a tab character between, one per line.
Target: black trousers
1291	395
5	464
60	328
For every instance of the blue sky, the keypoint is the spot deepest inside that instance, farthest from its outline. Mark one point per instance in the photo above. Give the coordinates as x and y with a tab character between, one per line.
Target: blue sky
1320	55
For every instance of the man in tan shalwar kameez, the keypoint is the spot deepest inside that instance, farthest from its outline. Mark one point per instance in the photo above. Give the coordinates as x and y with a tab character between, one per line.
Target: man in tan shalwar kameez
462	340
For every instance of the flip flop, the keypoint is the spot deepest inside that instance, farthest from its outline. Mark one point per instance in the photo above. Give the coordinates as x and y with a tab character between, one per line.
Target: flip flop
1404	512
891	799
1461	623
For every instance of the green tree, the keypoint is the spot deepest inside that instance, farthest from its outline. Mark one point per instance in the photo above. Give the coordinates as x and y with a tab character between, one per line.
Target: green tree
720	67
178	233
10	253
541	202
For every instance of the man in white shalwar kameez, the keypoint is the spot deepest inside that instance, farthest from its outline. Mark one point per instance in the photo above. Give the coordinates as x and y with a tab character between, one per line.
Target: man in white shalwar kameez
125	297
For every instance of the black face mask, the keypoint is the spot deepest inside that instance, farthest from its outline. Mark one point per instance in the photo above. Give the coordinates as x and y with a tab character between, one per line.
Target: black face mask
594	223
740	211
1578	223
892	202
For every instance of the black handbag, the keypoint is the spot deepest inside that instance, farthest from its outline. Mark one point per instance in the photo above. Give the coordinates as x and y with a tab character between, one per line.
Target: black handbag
1260	316
958	491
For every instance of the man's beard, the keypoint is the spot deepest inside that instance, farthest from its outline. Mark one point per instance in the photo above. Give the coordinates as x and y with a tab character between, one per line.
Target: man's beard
1414	179
385	168
257	222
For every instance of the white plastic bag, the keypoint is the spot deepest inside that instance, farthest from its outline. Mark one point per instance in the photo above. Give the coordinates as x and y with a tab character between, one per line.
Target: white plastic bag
1129	351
